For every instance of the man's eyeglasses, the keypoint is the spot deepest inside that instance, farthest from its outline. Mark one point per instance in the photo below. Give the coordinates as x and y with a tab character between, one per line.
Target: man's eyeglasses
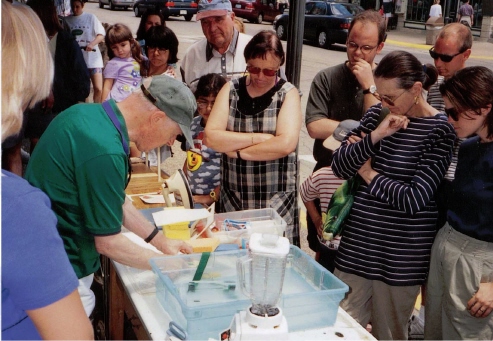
159	49
364	48
256	70
387	99
444	57
205	104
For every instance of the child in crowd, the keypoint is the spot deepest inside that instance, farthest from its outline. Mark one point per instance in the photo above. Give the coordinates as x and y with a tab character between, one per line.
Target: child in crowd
202	165
122	72
321	185
88	32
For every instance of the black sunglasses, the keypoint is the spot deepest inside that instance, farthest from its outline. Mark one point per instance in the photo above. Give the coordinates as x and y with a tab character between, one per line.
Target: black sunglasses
444	57
452	112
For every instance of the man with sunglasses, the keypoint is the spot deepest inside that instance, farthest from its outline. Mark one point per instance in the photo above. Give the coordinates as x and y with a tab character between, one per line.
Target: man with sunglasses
344	91
221	51
450	53
81	163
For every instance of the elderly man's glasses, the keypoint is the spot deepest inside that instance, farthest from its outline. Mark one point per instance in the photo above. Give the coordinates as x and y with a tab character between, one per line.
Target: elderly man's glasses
444	57
364	48
387	99
256	70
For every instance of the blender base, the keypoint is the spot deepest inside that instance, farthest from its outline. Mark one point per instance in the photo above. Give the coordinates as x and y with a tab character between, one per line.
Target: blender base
273	328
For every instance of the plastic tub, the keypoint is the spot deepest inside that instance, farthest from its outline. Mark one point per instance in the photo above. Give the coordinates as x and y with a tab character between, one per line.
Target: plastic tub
310	298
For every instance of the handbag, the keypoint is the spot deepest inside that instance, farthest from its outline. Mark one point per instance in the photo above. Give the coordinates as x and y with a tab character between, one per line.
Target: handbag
339	207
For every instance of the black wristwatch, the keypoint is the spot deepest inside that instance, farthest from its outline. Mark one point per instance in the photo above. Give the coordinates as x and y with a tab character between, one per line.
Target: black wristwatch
371	90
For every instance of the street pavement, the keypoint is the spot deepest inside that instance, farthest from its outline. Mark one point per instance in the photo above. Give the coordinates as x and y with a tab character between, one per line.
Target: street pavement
314	59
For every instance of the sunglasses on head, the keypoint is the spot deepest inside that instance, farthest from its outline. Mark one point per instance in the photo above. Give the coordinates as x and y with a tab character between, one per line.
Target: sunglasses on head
256	70
444	57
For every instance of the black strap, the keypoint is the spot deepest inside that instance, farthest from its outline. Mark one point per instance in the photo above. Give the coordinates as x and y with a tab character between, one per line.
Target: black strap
152	235
112	115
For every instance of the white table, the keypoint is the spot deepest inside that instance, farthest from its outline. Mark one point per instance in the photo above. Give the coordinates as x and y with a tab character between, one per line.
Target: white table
134	291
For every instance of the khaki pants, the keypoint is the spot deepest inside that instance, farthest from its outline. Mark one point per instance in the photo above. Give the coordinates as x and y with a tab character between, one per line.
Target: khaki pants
387	307
458	263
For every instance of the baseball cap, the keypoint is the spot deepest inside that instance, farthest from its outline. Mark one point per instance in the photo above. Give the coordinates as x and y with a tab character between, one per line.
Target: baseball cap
334	141
175	99
213	8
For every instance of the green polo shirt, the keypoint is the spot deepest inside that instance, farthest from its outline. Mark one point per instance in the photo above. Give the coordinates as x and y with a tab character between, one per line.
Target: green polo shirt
80	164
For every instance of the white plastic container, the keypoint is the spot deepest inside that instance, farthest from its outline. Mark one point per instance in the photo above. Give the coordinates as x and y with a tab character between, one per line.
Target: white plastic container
265	220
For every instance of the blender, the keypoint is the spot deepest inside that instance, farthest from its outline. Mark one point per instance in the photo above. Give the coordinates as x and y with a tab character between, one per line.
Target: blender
266	264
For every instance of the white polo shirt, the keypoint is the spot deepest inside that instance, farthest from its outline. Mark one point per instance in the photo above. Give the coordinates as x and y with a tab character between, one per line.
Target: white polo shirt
201	58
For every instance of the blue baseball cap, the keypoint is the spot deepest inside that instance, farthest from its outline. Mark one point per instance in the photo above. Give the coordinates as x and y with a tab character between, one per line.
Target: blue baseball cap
213	8
334	141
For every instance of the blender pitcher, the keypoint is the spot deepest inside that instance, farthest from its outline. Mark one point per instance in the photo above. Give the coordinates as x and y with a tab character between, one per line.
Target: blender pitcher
267	263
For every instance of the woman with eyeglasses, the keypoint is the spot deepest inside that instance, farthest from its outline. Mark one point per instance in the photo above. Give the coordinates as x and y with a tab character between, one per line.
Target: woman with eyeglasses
255	123
162	53
386	242
460	283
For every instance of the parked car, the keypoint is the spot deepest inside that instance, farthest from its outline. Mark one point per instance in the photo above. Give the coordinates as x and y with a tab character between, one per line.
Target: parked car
113	4
326	22
255	11
175	8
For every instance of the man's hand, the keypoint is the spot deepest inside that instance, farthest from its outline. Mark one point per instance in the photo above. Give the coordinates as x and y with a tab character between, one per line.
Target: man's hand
173	246
363	72
481	303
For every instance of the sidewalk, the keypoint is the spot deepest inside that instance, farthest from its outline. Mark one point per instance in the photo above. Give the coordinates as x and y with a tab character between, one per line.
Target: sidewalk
416	39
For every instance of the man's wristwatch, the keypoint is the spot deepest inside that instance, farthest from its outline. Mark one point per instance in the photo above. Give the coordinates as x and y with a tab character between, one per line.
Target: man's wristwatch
371	90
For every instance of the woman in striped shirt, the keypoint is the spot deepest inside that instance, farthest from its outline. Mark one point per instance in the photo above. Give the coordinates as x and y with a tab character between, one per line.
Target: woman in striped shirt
384	253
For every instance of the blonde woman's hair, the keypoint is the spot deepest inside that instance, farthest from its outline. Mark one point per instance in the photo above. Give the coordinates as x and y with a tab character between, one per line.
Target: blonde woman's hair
27	64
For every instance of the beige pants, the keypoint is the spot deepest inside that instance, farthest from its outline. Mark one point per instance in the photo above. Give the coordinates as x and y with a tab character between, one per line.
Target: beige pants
387	307
458	264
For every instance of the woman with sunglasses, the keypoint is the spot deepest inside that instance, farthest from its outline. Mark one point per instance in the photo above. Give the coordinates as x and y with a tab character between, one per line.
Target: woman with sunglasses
460	283
256	122
386	243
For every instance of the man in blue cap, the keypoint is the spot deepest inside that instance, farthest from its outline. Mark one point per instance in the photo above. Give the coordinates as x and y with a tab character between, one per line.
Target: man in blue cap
81	163
221	51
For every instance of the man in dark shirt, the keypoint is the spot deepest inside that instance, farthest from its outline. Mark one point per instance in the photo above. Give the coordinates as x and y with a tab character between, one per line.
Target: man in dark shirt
344	91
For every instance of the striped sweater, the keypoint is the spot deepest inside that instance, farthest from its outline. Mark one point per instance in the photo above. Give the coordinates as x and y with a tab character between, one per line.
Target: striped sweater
390	230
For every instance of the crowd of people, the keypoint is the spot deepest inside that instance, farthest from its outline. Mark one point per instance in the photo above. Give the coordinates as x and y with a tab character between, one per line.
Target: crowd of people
419	138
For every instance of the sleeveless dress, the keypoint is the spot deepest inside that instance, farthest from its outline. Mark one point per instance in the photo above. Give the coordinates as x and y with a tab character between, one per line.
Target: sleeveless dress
247	185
